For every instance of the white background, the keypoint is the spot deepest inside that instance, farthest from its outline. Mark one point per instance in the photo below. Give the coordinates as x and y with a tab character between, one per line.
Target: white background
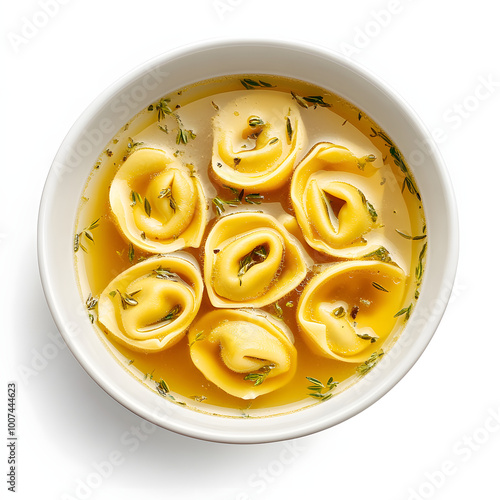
435	435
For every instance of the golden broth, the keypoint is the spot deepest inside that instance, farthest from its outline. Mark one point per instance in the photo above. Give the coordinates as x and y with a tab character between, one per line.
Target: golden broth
102	259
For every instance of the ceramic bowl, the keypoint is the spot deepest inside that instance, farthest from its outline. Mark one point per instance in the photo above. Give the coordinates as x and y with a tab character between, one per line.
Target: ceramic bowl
176	69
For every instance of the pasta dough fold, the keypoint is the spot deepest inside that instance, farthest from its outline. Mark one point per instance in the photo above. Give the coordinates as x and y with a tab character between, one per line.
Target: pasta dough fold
158	203
149	306
257	138
246	353
334	215
251	260
348	307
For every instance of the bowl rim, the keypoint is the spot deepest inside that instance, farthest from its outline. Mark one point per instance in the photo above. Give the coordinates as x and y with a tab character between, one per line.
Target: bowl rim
278	432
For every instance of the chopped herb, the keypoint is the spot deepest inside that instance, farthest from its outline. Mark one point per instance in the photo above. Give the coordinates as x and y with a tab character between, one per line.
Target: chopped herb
289	304
319	390
131	252
199	336
127	299
289	129
136	198
200	399
173	314
369	207
132	144
91	302
258	378
162	388
253	198
420	266
278	311
366	159
339	312
131	361
112	293
91	317
147	207
167	193
256	256
215	106
274	140
109	152
250	84
77	241
163	109
379	287
312	100
143	235
237	161
163	128
181	137
299	100
370	363
255	121
151	107
381	254
408	237
367	336
406	311
165	274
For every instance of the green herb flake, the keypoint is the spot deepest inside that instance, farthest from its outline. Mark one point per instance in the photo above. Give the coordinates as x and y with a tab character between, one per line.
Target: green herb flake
379	287
256	256
338	312
408	237
173	314
162	388
370	363
289	130
319	390
91	302
406	311
147	207
259	377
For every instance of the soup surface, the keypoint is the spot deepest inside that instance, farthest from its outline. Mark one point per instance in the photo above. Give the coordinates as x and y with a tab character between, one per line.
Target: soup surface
250	245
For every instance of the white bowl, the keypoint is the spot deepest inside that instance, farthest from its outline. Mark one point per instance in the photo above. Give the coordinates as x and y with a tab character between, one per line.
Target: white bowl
135	91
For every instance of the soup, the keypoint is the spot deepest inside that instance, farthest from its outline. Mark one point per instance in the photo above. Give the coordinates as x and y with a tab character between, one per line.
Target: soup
250	245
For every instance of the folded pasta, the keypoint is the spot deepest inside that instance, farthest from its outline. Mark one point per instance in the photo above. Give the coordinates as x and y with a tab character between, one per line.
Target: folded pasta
349	308
158	203
251	260
149	306
245	353
257	138
333	214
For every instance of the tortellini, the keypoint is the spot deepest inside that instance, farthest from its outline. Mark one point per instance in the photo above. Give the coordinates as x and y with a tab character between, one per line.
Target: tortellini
158	203
334	215
251	261
257	138
348	308
246	353
149	306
